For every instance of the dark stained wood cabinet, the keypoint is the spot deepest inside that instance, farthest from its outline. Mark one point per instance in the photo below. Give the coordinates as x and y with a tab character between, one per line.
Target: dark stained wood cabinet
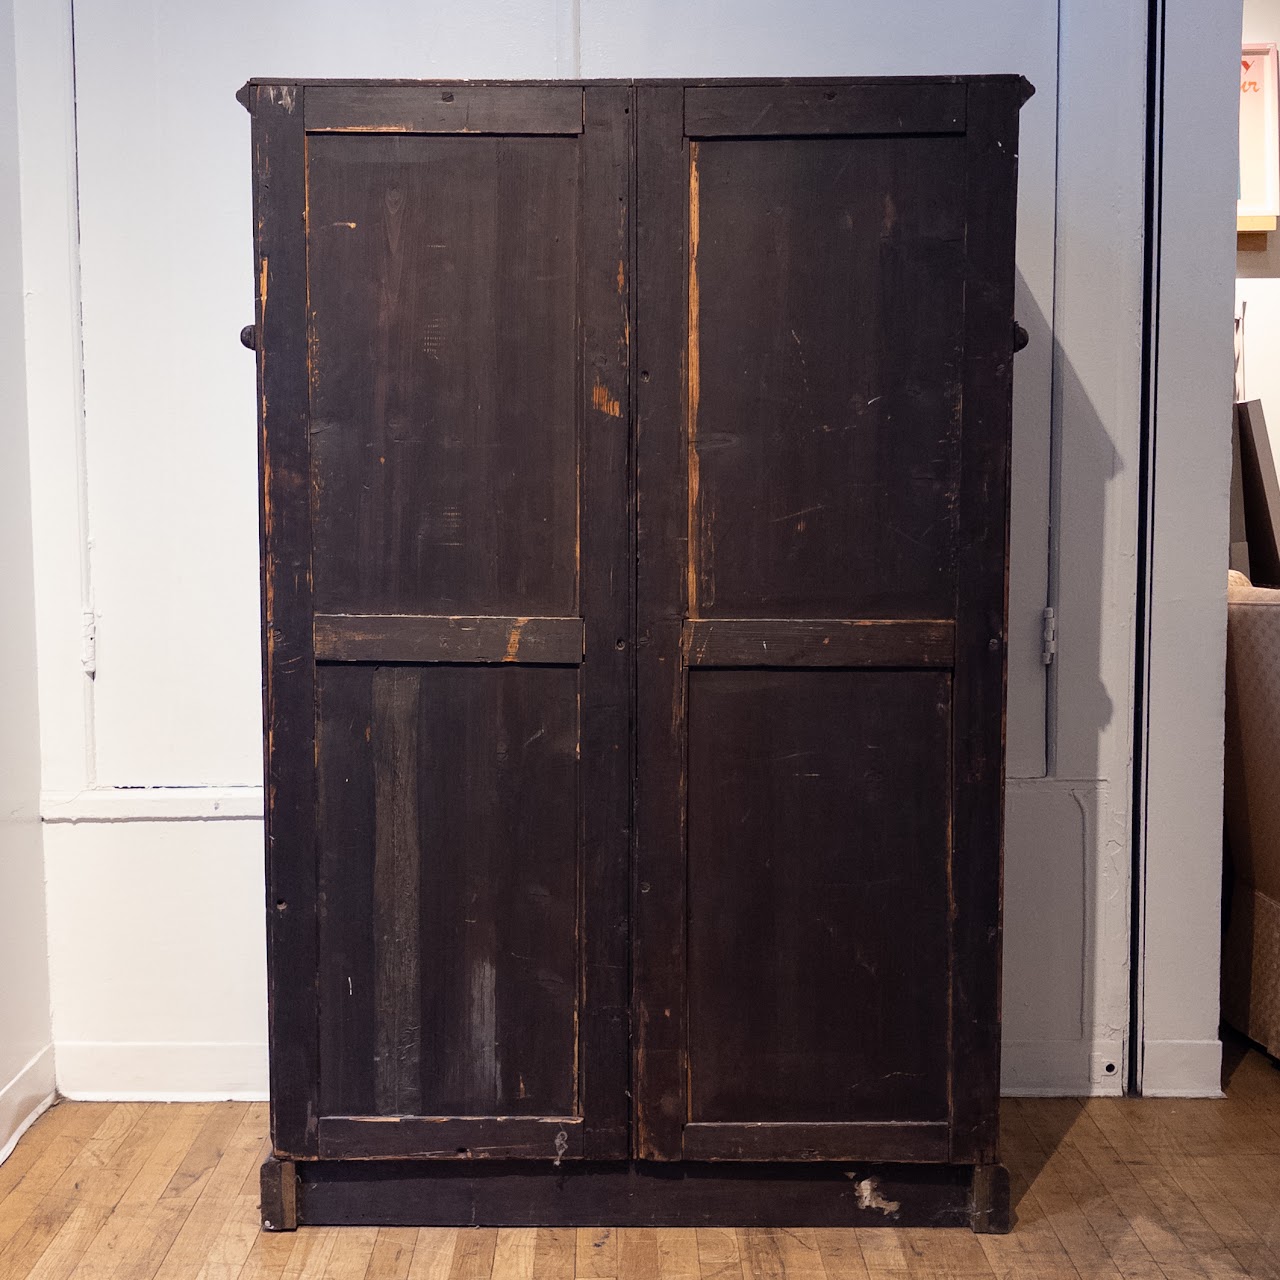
635	513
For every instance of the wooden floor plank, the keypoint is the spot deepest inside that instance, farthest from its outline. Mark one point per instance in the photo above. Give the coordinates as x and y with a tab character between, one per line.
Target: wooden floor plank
270	1255
514	1252
351	1252
677	1253
35	1142
433	1254
1033	1249
718	1255
597	1253
310	1253
122	1233
90	1178
946	1253
56	1157
209	1190
109	1232
884	1251
473	1252
1038	1168
1109	1188
841	1254
637	1253
1051	1120
555	1254
392	1254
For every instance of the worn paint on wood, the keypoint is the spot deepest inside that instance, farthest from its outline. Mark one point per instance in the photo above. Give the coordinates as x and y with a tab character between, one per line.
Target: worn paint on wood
605	641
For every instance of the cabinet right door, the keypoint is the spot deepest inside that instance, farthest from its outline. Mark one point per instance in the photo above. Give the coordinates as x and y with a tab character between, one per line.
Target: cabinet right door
825	278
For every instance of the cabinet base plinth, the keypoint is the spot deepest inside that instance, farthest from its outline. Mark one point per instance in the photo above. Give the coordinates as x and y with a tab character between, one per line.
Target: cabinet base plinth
279	1204
990	1209
525	1194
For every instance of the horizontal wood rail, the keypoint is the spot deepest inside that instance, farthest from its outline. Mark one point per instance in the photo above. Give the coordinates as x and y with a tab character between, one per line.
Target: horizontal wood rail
443	108
818	642
398	637
451	1137
835	1140
751	111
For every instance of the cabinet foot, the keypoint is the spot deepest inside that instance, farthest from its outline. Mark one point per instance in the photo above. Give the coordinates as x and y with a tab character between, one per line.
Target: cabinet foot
989	1208
279	1195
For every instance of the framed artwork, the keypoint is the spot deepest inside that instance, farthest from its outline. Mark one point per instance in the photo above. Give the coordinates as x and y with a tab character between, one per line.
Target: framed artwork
1258	194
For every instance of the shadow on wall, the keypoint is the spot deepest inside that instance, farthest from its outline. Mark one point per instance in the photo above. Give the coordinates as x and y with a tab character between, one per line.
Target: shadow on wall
1067	840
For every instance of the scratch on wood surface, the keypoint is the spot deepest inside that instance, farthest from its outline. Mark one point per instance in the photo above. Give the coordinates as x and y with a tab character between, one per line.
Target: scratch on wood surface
513	640
693	375
603	401
350	225
622	277
283	93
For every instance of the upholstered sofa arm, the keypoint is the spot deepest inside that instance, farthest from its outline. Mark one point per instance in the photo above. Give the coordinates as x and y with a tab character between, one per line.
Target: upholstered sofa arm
1253	733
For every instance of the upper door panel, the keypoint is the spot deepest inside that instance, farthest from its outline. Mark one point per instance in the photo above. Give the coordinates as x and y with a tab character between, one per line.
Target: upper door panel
824	404
443	277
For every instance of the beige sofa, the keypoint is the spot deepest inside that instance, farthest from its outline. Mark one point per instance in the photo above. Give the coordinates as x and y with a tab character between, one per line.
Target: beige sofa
1251	952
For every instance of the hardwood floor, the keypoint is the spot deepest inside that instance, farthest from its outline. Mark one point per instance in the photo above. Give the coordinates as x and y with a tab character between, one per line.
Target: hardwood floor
1105	1189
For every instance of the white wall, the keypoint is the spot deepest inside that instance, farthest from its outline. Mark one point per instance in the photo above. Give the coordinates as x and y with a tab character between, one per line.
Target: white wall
26	1052
145	503
1190	476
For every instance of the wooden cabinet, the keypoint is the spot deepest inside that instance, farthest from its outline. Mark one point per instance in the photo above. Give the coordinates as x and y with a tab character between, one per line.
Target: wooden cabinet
635	510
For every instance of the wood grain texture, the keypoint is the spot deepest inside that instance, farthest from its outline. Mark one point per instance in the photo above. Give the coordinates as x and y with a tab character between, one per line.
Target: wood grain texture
284	442
1103	1189
452	108
806	871
823	109
826	352
822	642
584	687
981	613
422	638
674	1194
444	360
451	1137
659	1062
397	877
817	1140
469	376
606	581
463	770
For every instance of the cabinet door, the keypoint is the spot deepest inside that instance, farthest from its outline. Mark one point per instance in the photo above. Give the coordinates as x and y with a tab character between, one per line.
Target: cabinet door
825	278
443	338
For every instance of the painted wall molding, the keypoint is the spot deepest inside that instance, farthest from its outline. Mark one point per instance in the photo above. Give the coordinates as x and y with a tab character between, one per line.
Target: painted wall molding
153	804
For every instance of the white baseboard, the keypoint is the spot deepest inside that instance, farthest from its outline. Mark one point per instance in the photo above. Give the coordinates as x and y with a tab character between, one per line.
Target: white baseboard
97	1071
25	1098
1061	1068
1182	1069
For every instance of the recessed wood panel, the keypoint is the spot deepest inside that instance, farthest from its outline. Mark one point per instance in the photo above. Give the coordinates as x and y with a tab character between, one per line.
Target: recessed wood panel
448	890
826	316
443	359
817	902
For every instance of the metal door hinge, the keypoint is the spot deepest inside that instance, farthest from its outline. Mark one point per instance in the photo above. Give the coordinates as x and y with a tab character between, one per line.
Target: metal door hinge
89	642
1049	637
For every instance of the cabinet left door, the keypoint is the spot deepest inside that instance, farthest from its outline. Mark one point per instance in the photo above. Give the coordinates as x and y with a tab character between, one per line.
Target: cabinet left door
443	355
